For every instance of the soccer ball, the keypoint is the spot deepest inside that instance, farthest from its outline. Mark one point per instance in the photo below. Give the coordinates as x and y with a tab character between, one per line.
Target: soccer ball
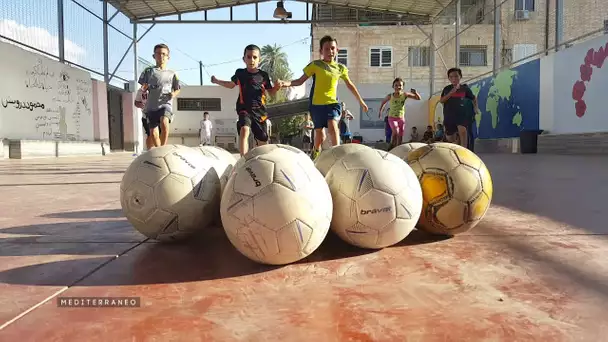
276	208
403	150
224	162
377	198
264	149
456	187
329	157
170	193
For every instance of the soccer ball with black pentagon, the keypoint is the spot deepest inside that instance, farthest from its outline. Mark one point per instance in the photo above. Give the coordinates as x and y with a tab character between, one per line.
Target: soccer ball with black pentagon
276	208
456	187
377	198
170	193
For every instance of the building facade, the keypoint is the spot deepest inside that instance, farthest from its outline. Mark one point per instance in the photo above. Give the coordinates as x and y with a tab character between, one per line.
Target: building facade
379	53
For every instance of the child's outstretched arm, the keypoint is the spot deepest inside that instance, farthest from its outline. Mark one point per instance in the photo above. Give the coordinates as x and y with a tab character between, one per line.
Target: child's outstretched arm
415	96
293	83
386	99
353	89
225	84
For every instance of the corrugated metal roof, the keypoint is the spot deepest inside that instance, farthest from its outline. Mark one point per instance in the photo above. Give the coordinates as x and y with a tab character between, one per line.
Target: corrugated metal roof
145	9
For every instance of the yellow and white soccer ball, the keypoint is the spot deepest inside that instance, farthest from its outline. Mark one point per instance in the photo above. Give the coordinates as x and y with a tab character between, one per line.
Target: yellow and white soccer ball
170	193
276	208
456	187
331	155
377	198
403	150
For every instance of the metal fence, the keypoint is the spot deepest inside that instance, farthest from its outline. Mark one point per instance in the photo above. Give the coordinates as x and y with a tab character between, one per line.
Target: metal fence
484	36
37	25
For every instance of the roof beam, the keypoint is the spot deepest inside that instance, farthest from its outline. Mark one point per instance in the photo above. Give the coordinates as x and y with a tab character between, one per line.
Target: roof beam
122	5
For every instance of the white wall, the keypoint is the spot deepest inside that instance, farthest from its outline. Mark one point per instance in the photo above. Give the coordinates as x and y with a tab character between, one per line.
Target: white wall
42	99
186	122
559	73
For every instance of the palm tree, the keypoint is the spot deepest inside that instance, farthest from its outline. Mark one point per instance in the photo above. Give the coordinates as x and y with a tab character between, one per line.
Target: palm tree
274	62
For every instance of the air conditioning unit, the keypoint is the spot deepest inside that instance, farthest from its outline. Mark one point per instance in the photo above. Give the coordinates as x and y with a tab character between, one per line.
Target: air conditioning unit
522	15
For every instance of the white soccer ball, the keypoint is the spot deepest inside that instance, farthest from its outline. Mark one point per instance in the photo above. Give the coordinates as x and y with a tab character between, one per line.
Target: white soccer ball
403	150
268	148
377	198
276	208
224	162
330	156
170	193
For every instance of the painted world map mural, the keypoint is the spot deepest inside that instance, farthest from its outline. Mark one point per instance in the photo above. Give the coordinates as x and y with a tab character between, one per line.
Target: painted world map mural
508	102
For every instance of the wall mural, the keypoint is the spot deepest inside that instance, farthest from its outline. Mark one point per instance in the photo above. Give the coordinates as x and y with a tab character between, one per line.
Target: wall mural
508	102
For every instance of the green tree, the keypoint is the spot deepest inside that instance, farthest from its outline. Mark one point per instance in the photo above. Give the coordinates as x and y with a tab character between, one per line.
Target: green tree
274	62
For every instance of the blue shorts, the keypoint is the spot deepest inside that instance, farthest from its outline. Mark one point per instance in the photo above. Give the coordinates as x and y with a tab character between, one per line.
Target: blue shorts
322	113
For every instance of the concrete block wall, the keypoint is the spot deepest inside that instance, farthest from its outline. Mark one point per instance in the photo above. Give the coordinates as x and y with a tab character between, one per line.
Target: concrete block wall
585	143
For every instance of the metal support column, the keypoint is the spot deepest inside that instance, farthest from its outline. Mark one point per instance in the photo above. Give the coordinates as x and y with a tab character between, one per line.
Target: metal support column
432	61
60	31
559	24
135	58
457	36
200	70
106	53
497	38
137	115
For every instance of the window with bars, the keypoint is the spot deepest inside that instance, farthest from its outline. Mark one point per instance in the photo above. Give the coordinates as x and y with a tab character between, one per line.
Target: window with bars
199	104
473	56
381	57
342	57
527	5
419	56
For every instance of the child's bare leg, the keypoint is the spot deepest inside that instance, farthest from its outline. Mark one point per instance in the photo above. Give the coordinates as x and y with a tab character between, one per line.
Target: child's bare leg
463	136
164	130
244	140
319	138
334	132
155	137
149	141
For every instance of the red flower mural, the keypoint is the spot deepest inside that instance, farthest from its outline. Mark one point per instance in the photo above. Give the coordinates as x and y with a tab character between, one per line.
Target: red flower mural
592	59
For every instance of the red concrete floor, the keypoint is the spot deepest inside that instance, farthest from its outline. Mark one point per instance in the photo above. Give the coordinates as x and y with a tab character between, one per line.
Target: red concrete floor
534	270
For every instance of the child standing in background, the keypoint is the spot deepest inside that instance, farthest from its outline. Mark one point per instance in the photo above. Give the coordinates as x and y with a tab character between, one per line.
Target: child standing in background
204	131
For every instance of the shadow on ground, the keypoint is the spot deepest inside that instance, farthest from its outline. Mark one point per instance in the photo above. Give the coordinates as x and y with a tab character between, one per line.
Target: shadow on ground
209	256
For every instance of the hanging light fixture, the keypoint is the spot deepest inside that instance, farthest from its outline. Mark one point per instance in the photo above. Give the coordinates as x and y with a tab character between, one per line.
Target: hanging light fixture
280	12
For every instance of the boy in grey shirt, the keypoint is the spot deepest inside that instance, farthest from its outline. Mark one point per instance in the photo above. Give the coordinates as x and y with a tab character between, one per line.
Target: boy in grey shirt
162	85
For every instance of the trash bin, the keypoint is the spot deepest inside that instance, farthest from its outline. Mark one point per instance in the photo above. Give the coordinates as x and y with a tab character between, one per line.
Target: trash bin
528	141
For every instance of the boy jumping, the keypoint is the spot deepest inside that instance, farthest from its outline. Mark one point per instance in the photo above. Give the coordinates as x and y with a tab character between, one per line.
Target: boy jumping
251	103
161	85
324	105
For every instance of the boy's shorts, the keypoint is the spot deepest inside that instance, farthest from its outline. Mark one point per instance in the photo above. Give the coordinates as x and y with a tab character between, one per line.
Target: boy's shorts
322	113
306	139
452	121
155	116
253	119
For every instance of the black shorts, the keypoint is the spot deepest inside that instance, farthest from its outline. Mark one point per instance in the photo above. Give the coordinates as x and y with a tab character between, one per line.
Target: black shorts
156	116
306	139
256	122
452	121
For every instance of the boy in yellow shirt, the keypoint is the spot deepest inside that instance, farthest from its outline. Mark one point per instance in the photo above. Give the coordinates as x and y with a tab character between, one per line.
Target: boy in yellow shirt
324	106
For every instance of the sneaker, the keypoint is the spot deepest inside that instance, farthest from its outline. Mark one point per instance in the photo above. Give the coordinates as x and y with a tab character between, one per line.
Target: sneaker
315	154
